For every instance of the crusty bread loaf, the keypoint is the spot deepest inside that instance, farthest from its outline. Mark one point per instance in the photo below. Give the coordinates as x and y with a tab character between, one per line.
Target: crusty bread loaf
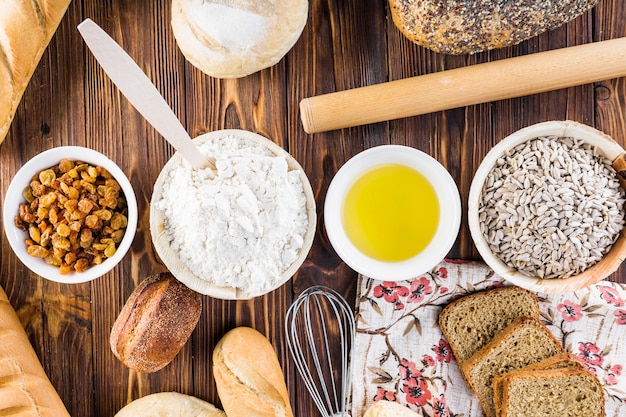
26	27
235	38
155	323
248	376
389	409
563	360
552	393
468	26
522	343
25	389
169	404
472	321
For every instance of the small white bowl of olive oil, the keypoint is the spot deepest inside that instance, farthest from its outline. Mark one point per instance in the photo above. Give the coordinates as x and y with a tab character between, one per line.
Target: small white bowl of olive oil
392	212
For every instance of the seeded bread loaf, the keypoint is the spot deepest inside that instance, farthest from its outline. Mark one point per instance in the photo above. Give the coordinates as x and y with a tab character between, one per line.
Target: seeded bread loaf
561	361
470	322
468	26
552	393
155	323
524	342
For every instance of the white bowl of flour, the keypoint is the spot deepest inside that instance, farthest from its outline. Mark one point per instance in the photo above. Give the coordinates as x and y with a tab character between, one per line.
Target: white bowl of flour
242	232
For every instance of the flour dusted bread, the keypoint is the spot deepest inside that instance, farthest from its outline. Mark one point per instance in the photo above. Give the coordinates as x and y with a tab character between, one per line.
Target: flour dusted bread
248	376
25	389
552	393
26	27
389	409
524	342
235	38
470	322
169	404
468	26
155	323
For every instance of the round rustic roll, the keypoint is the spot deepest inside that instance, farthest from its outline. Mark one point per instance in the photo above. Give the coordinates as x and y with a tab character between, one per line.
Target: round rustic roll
155	323
169	404
235	38
468	26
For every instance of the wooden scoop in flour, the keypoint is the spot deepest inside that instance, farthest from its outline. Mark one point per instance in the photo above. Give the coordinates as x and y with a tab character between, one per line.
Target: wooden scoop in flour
507	78
142	94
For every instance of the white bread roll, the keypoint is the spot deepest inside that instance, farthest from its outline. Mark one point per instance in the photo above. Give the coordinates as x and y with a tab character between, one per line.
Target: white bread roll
235	38
389	409
26	27
169	404
248	376
24	385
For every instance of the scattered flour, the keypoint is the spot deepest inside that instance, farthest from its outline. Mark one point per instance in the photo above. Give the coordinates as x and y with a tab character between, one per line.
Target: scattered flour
244	227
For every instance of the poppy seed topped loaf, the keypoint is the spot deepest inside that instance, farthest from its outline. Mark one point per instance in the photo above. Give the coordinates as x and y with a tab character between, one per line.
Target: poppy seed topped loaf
469	26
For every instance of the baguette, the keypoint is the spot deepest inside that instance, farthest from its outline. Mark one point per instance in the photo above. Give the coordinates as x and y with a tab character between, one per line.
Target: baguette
155	323
25	389
26	28
169	404
248	376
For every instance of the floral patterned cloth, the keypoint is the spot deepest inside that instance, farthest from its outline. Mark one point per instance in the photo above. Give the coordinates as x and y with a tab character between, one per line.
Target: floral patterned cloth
401	355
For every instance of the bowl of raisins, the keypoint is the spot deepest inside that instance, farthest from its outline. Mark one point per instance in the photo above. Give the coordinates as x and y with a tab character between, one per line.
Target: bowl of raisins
70	214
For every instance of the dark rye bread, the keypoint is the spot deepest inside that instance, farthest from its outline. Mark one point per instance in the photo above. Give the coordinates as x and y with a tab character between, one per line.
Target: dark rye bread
563	360
553	393
469	26
155	323
524	342
470	322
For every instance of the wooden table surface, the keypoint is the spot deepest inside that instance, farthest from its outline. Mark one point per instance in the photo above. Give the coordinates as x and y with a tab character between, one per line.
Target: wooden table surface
345	44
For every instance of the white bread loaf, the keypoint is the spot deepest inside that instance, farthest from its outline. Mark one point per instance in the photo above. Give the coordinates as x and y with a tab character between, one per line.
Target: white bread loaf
25	389
26	27
169	404
235	38
248	376
389	409
468	26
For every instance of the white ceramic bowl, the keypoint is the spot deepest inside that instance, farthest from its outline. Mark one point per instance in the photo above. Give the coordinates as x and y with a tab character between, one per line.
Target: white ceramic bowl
14	198
449	216
171	257
606	146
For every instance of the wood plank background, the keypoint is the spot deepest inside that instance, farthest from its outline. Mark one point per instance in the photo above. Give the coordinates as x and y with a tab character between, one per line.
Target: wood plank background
345	44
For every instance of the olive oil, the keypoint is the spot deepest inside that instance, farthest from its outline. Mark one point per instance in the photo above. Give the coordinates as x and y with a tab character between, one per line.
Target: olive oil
391	213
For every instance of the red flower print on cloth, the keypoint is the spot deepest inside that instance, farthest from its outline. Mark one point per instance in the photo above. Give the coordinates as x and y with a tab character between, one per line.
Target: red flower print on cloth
621	316
419	288
383	394
391	293
428	360
442	272
590	354
614	372
408	370
611	296
570	311
440	408
416	390
443	351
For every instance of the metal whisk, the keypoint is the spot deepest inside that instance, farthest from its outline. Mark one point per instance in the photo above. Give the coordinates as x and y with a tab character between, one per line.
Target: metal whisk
316	321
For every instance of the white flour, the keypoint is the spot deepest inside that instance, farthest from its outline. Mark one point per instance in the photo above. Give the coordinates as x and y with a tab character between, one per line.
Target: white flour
242	228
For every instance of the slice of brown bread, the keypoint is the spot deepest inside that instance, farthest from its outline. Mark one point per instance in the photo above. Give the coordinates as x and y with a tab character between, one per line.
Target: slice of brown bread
553	393
522	343
561	361
470	322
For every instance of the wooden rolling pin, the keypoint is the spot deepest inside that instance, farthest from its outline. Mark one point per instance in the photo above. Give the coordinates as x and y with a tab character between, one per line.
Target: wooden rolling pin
481	83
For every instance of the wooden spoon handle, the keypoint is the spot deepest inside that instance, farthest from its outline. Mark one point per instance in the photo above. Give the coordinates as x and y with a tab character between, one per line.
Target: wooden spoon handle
481	83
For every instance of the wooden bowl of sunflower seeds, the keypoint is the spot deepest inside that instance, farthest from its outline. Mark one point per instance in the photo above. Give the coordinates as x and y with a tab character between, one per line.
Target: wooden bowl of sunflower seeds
546	207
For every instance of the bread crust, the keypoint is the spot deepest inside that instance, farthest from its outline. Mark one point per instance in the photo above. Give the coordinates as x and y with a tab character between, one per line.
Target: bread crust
470	26
155	323
170	404
248	376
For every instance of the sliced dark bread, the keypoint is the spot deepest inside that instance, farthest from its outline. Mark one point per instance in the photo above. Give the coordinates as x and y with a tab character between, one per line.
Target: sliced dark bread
561	361
470	322
553	393
524	342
